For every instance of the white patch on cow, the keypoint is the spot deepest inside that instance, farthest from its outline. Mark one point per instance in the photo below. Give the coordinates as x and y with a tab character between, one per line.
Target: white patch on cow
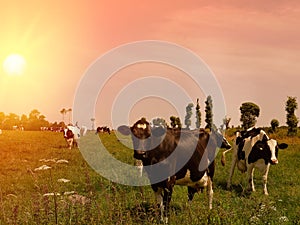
186	181
272	144
142	126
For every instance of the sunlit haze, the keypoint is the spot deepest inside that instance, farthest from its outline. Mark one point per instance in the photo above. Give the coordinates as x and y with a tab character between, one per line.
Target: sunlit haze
252	48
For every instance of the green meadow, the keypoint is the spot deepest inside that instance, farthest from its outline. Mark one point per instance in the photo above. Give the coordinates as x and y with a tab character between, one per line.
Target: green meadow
43	182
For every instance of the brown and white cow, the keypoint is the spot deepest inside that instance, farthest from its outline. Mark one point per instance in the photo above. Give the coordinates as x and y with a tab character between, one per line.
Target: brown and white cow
253	150
172	156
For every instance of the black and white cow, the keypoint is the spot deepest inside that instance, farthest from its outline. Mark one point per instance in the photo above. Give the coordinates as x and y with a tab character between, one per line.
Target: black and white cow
72	134
166	147
104	129
254	150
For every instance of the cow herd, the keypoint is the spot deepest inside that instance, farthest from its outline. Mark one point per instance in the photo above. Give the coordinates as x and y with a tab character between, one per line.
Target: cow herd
172	156
187	157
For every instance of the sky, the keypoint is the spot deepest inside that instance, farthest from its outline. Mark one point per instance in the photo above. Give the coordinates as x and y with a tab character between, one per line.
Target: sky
251	47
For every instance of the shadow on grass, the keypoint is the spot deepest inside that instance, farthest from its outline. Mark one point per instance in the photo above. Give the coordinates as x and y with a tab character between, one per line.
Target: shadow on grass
238	189
146	212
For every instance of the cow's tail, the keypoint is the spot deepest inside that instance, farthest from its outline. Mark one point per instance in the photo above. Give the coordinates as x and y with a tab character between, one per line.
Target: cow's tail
223	159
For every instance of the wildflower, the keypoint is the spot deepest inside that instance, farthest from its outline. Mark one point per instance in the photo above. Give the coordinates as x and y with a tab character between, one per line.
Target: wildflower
62	161
51	194
63	180
43	167
283	219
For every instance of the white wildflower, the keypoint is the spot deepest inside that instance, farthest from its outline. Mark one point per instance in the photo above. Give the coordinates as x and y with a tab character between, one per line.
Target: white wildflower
51	194
47	160
63	180
62	161
69	192
283	219
254	219
78	199
43	167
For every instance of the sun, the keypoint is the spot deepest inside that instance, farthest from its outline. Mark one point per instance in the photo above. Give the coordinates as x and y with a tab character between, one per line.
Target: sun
14	64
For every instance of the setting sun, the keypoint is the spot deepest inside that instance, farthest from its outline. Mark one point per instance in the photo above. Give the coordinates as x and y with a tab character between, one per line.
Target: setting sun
14	64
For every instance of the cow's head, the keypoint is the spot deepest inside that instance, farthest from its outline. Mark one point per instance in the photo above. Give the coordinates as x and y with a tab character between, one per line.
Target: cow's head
141	133
221	140
269	149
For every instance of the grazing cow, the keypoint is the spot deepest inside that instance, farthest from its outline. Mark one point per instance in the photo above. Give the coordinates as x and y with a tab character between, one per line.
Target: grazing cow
103	129
253	150
167	148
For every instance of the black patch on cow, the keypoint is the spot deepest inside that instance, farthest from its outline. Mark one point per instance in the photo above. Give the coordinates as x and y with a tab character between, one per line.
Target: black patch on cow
240	141
69	134
260	150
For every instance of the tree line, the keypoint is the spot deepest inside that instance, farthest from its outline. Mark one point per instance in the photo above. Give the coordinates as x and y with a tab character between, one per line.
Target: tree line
249	114
33	121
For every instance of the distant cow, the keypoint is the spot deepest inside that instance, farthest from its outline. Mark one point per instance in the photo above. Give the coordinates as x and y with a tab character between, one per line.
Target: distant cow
255	150
72	134
156	145
103	129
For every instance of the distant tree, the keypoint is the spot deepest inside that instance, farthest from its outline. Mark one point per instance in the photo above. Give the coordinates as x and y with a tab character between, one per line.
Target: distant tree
69	111
274	124
189	113
208	113
178	123
2	119
159	122
226	122
175	122
24	121
249	113
11	120
63	112
198	115
36	120
291	119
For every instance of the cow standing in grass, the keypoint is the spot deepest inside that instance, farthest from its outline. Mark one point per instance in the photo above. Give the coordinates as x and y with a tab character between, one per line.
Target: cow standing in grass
72	134
254	150
166	148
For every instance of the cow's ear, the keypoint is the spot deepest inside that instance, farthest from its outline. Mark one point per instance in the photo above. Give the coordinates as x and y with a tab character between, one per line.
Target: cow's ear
125	130
283	146
158	131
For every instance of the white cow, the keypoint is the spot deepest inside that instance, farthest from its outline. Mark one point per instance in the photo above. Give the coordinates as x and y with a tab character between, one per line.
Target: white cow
255	151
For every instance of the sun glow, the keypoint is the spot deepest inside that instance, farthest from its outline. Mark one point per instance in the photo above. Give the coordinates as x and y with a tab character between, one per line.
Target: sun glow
14	64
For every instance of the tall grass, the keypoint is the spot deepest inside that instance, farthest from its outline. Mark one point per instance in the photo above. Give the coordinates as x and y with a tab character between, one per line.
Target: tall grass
28	196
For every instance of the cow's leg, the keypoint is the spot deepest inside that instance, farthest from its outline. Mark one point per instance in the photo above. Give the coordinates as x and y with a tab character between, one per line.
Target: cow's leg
159	200
75	143
210	192
265	179
233	164
70	142
166	202
250	178
191	193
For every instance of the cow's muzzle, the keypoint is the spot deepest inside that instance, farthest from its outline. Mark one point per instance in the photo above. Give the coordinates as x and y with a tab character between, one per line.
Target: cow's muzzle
139	154
274	161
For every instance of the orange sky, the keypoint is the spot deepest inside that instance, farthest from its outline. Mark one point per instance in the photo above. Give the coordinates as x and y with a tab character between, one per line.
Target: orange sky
253	49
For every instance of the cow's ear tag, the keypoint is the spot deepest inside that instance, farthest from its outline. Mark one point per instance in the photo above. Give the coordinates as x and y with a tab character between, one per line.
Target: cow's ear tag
125	130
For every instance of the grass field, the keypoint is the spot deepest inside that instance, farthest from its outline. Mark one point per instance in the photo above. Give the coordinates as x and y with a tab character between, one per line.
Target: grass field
31	196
